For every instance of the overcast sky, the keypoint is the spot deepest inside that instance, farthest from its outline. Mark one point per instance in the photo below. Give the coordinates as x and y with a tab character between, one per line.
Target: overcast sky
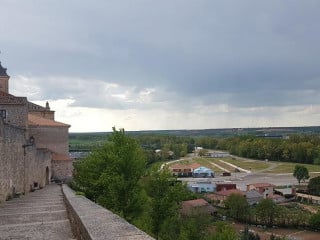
169	64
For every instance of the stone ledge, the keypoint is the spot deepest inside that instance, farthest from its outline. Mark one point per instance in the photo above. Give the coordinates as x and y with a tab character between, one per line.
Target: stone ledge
90	221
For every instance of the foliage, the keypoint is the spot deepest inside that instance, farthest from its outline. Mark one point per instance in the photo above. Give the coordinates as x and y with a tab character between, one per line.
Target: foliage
314	186
194	227
238	207
223	231
315	221
301	173
165	194
267	211
298	148
110	175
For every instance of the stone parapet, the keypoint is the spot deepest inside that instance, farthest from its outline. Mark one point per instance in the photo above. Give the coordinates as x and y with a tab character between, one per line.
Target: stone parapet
90	221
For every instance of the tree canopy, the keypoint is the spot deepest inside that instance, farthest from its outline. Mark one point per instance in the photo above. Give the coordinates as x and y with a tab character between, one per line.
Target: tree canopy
314	186
110	175
301	173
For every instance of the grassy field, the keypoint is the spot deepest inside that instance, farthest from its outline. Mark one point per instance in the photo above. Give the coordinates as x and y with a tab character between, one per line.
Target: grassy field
253	165
285	167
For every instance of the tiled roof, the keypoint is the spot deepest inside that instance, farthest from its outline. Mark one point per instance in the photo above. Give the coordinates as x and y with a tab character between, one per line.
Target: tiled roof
34	120
60	157
6	98
195	203
3	71
196	206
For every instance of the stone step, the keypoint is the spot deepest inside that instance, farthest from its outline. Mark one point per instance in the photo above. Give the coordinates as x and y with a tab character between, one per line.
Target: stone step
33	203
8	210
39	215
17	218
53	230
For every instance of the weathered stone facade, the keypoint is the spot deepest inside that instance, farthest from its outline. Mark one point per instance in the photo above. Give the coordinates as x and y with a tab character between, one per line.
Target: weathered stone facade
33	146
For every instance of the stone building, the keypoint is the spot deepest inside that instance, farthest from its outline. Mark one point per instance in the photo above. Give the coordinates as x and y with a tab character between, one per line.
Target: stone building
33	146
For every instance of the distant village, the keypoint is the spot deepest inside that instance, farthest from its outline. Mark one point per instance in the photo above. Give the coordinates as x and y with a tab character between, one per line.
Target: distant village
200	179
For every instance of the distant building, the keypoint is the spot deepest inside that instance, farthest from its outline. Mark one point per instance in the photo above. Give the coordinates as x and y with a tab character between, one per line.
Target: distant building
201	187
183	170
217	154
253	197
197	206
221	196
203	172
225	186
266	189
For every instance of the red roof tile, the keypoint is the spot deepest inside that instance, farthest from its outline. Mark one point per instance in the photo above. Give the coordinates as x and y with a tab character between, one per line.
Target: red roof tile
34	120
6	98
195	203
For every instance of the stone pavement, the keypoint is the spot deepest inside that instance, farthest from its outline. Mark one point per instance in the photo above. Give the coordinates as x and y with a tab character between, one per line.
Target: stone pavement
39	215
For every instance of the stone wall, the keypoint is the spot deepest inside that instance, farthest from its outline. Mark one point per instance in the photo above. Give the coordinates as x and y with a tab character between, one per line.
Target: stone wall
20	167
54	138
11	160
16	109
62	169
38	165
90	221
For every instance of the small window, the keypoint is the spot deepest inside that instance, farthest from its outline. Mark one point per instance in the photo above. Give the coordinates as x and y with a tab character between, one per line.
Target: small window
3	114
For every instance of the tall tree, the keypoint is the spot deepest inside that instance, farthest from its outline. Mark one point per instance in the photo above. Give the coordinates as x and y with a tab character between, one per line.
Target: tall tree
267	211
237	206
301	173
166	195
110	175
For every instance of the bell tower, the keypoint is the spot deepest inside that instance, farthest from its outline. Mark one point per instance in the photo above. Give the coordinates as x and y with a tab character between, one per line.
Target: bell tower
4	80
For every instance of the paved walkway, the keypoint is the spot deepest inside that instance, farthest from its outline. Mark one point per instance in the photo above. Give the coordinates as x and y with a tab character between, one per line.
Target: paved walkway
38	215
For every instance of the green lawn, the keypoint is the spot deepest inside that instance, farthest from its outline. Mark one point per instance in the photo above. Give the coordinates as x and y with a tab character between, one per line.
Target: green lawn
286	167
254	165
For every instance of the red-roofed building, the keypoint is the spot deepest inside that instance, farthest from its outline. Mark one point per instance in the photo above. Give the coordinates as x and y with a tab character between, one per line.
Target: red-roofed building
183	170
196	206
220	197
225	186
266	189
34	147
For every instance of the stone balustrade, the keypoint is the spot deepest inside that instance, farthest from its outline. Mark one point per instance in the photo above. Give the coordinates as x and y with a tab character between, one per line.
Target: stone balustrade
90	221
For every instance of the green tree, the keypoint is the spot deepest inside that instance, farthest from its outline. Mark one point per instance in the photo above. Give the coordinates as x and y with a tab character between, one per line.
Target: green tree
194	227
267	211
237	206
166	194
315	221
223	231
301	173
314	186
111	174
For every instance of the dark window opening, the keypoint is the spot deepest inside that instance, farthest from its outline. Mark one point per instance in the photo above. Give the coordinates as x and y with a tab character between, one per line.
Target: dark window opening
3	114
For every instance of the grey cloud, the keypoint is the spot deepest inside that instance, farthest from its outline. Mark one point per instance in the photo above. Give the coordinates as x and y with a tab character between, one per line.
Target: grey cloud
243	54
